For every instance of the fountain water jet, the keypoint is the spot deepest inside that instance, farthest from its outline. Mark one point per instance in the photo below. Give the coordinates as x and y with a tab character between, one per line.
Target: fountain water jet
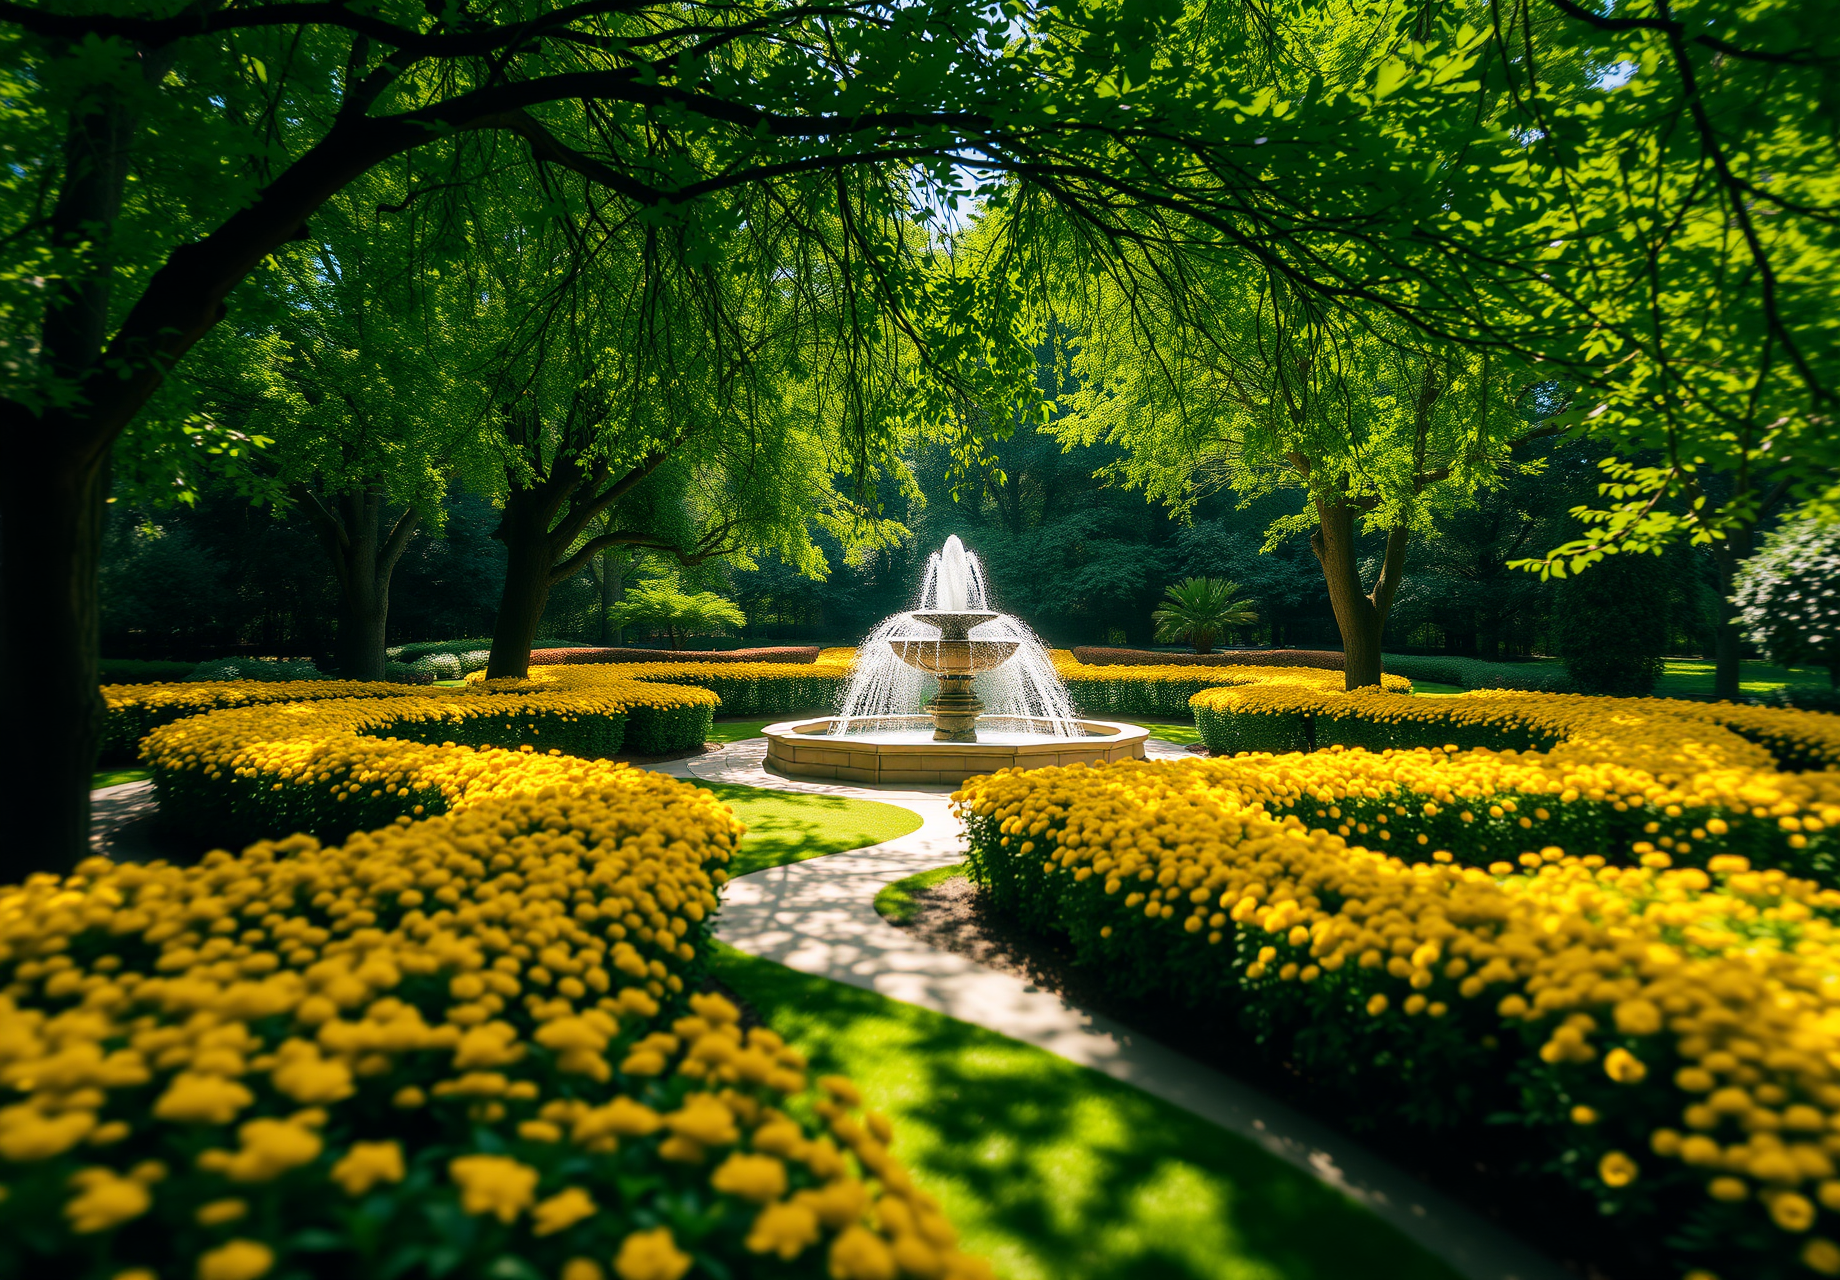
996	700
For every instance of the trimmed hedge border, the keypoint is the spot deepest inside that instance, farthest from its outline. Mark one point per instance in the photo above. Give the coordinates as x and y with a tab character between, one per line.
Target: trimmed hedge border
802	655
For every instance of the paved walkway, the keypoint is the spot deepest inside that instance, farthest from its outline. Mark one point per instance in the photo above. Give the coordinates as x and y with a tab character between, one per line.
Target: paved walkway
819	917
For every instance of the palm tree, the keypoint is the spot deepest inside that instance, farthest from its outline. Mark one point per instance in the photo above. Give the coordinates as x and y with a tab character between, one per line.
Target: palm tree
1198	610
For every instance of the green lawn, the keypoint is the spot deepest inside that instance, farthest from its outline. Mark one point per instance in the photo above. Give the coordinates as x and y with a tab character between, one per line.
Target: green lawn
896	901
1181	732
791	826
1056	1172
115	777
1433	687
736	730
1684	676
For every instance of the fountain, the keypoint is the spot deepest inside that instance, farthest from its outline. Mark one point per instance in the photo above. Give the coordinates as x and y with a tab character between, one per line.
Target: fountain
996	701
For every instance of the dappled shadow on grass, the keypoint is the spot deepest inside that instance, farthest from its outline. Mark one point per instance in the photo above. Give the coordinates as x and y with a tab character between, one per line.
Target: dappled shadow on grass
790	826
1053	1170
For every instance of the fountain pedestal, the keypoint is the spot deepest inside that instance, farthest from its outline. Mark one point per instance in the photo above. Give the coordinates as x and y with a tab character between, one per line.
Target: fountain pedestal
955	710
957	660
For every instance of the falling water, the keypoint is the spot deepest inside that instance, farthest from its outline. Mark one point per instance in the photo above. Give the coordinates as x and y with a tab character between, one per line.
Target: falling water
1025	687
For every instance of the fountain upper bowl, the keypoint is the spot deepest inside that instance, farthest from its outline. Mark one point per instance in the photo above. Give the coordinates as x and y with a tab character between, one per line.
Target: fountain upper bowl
955	657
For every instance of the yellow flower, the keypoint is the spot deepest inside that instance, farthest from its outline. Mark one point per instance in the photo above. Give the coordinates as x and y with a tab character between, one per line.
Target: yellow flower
1617	1169
1583	1115
785	1229
217	1212
368	1163
196	1099
562	1211
494	1184
27	1135
1822	1256
703	1119
270	1148
104	1199
651	1255
1624	1067
860	1254
1791	1212
581	1269
752	1177
1730	1189
236	1260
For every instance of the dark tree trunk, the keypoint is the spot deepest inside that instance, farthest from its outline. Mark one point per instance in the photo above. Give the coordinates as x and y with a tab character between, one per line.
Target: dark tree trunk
1360	614
50	543
613	590
530	559
363	556
53	492
1728	557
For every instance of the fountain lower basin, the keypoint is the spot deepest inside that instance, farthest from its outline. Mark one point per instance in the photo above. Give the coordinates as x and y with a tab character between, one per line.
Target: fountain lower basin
902	749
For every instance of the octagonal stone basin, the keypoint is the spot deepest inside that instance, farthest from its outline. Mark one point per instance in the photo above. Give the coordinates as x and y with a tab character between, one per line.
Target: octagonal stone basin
901	749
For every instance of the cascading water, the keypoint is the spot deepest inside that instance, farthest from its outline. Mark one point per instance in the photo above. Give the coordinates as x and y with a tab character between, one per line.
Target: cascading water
1022	698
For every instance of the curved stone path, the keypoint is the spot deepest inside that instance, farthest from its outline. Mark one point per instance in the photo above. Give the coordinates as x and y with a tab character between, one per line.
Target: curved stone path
819	917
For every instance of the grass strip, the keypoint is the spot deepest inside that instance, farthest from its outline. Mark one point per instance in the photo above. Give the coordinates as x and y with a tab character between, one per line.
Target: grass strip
1056	1172
1180	732
896	901
737	730
115	777
791	826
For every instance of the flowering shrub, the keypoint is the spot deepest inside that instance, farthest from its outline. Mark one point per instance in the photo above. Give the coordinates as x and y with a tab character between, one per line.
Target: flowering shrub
464	1045
746	688
135	709
1166	690
1663	733
1518	942
329	767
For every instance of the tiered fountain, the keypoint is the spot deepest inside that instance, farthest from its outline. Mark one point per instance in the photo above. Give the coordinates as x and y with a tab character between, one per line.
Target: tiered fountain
996	702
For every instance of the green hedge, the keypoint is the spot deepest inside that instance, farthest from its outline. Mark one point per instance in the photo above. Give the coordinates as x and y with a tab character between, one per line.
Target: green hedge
798	691
1474	673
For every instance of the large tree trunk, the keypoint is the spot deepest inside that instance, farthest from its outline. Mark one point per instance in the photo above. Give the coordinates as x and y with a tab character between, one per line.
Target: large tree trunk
1360	614
51	513
530	562
52	498
364	556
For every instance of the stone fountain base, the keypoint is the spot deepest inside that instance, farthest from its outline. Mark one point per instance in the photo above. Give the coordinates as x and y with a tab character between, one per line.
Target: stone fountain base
805	749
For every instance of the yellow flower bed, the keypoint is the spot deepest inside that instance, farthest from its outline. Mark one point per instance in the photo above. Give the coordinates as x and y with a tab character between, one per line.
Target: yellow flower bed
746	688
448	1043
1661	734
134	709
1444	936
334	766
1166	691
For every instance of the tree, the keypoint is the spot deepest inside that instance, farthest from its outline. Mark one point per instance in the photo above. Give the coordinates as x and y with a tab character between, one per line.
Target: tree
1788	596
1233	382
1200	610
662	606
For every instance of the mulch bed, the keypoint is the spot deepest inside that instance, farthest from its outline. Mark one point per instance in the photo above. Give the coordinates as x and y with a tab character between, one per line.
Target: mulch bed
1474	1166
